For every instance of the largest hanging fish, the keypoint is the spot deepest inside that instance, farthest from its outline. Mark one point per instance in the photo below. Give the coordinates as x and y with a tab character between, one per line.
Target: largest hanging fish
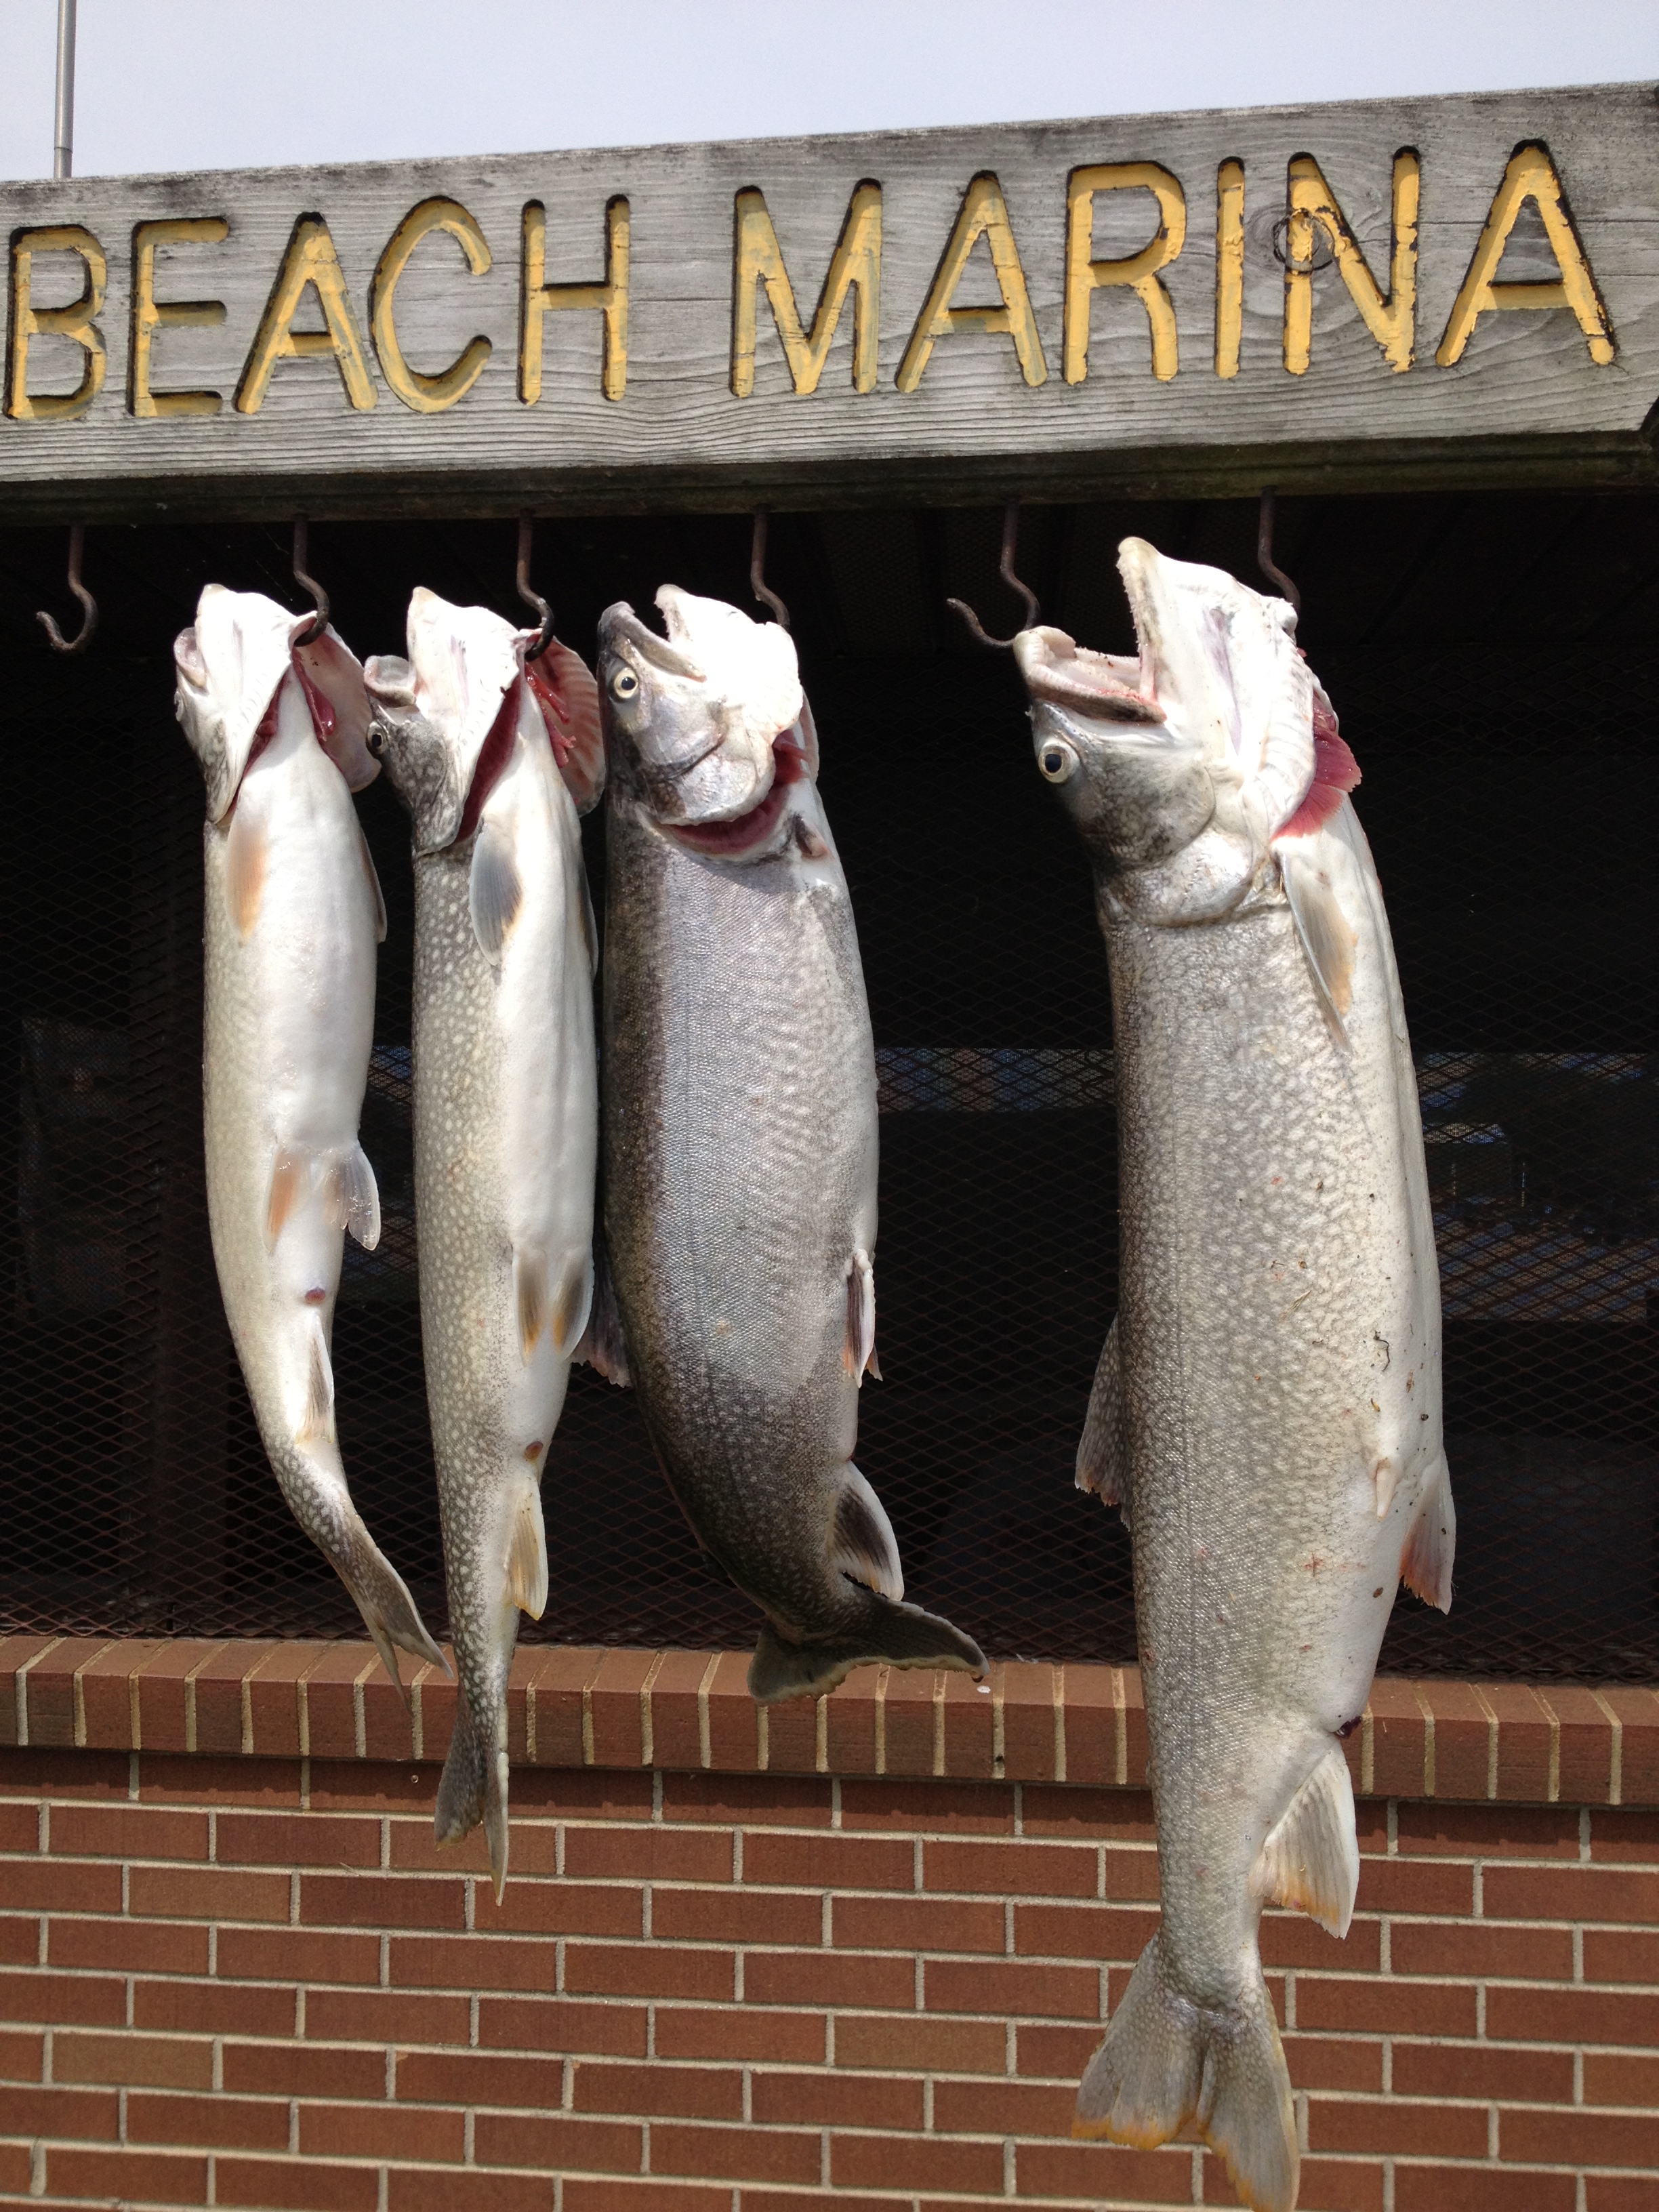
475	738
293	915
740	1138
1267	1406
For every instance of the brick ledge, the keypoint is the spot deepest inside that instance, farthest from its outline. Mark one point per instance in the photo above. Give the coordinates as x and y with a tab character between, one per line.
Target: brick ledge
573	1706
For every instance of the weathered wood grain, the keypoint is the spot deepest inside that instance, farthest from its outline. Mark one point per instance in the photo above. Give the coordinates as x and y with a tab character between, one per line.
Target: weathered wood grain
1526	404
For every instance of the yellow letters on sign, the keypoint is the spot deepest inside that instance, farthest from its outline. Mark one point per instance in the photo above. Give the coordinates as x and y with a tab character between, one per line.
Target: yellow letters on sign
983	214
150	314
1229	267
854	265
76	321
1530	176
1138	270
427	395
1392	322
538	298
310	260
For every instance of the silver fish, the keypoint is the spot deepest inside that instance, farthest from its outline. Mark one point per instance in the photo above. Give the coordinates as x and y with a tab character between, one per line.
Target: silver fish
741	1139
293	916
1267	1406
505	1119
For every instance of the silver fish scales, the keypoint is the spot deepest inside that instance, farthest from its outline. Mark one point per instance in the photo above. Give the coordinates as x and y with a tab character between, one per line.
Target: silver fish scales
491	757
292	915
740	1139
1267	1406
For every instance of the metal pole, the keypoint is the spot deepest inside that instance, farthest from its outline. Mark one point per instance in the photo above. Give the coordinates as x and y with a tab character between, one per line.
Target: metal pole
63	149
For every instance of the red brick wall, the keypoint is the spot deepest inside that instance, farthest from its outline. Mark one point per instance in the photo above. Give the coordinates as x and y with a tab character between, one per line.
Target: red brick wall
238	1979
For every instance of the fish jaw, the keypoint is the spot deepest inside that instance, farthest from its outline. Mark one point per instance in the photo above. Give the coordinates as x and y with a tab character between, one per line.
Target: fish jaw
229	664
1222	663
691	720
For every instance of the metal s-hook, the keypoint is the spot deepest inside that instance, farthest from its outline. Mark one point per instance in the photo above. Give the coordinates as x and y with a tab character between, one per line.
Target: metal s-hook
543	636
318	622
1264	551
88	604
1005	570
757	583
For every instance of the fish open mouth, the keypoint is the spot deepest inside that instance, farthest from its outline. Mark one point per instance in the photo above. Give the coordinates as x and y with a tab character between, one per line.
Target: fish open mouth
1097	684
747	833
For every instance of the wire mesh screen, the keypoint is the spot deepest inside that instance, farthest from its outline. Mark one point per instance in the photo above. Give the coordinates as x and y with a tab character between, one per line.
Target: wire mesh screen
1490	662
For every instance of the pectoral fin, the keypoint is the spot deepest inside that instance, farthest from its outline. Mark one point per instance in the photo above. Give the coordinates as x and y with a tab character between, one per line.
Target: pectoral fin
858	1351
495	892
530	1297
603	1346
246	855
1100	1458
526	1559
1328	938
1310	1861
290	1178
862	1545
572	1306
1425	1564
375	893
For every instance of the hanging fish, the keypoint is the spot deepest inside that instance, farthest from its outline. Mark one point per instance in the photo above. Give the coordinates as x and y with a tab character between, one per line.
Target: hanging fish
1266	1411
293	916
484	749
740	1139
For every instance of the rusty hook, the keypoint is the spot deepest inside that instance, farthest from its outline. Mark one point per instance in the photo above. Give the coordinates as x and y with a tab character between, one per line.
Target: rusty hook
1005	570
543	636
88	604
318	622
1264	551
757	583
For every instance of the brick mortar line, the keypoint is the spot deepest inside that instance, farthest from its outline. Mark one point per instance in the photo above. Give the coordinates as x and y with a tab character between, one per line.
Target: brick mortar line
1431	1703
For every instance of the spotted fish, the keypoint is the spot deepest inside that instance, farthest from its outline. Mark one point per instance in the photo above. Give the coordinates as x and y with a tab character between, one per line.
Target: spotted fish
741	1139
1266	1411
491	753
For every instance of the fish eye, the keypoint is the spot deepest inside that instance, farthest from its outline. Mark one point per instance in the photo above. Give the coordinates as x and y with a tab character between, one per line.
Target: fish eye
625	684
1056	760
375	740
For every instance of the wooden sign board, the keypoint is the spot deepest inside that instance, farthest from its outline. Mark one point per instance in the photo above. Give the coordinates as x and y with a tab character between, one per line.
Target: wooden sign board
1377	295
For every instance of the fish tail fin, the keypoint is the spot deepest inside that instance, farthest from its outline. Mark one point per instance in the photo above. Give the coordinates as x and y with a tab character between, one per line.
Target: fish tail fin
1166	2060
314	1483
897	1635
473	1787
390	1613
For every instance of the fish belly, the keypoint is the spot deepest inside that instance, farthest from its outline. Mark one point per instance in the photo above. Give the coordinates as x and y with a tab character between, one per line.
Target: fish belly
740	1181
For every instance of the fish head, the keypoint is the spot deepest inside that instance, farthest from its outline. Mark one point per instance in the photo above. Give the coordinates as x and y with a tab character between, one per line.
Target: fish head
1180	763
1222	663
703	724
1138	790
231	664
435	711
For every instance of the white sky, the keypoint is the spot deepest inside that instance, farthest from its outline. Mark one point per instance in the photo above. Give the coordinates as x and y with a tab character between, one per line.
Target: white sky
186	84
